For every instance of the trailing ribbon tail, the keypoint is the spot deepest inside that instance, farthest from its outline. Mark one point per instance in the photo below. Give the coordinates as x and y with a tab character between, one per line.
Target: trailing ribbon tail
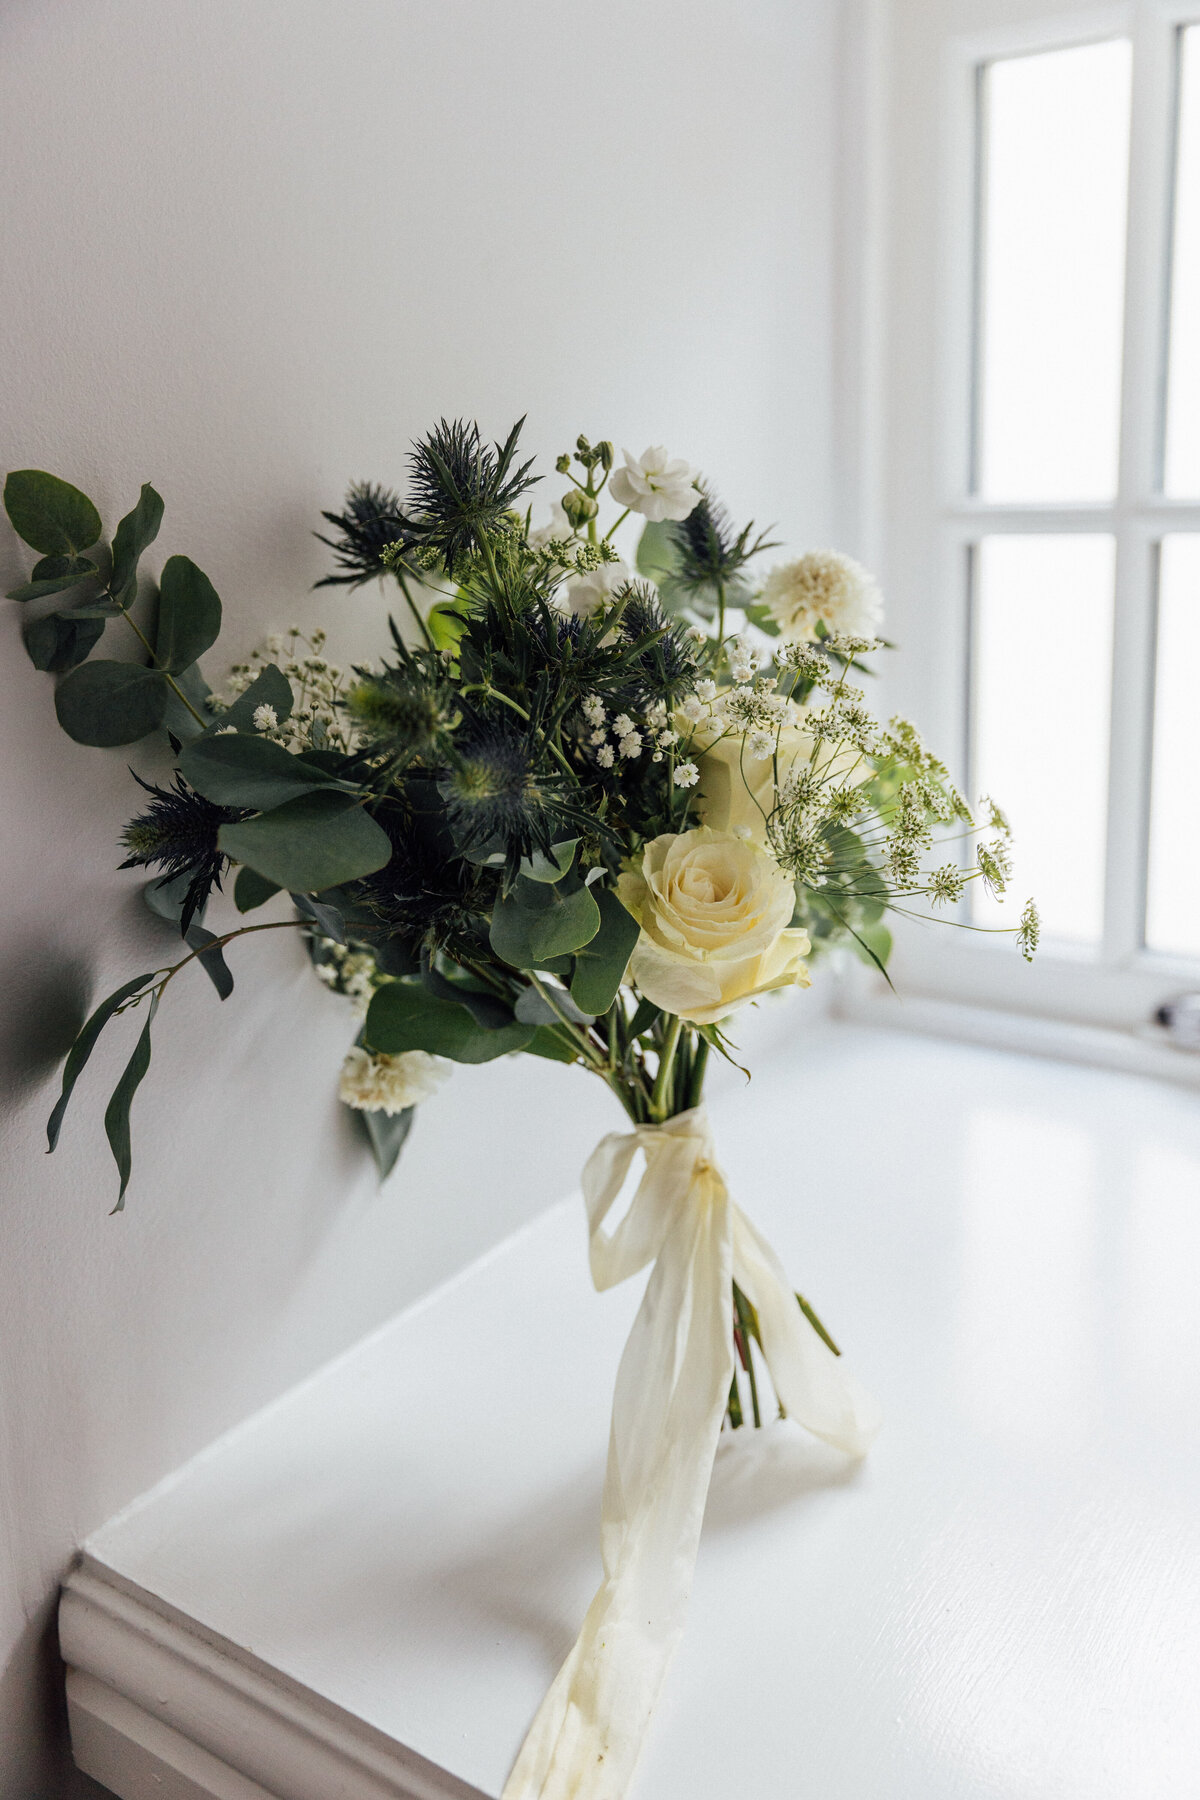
671	1392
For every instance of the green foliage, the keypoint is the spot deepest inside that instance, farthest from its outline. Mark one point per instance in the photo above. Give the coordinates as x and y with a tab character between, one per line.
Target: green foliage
387	1134
251	771
170	900
189	615
61	641
55	575
537	921
251	890
81	1050
600	964
49	514
108	703
406	1016
133	537
317	841
116	1115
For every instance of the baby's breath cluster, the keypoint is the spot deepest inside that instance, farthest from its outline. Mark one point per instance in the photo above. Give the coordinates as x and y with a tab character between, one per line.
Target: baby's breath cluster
318	719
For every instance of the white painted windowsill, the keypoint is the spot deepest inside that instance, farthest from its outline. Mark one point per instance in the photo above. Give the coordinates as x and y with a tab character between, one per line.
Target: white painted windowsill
363	1591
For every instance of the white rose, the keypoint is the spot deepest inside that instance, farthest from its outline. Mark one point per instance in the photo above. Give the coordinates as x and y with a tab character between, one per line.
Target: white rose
824	587
389	1084
658	486
714	911
736	791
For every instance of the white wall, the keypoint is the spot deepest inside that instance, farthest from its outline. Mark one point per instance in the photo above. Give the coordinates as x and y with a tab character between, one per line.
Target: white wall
249	250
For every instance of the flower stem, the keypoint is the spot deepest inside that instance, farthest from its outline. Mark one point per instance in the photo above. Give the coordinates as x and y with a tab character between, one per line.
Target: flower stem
666	1060
170	681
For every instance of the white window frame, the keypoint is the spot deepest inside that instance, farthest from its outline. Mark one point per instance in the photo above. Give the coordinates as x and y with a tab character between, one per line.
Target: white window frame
1123	984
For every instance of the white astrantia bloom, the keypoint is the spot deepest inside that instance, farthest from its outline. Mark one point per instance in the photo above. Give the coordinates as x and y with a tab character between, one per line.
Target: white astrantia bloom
588	593
655	485
823	588
389	1084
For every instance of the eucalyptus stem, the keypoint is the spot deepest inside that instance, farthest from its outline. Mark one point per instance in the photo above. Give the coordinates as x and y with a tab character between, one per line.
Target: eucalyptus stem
169	679
219	943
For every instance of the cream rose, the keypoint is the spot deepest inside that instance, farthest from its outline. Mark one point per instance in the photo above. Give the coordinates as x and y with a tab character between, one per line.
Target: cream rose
714	911
736	790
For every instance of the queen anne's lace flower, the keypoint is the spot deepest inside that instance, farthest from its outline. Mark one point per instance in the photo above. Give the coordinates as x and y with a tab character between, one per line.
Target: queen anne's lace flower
655	485
389	1084
823	588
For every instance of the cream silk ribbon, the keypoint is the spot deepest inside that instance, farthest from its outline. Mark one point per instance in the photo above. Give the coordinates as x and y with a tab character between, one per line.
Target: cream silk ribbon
671	1393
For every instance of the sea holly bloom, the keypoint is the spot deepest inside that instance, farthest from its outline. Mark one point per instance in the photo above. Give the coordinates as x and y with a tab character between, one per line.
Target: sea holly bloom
655	485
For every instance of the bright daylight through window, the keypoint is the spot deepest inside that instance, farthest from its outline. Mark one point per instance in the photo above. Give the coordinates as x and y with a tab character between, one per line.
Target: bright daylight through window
1085	534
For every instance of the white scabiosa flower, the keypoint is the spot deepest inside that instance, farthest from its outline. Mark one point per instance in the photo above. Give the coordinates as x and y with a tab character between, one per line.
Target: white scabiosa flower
389	1084
825	588
655	485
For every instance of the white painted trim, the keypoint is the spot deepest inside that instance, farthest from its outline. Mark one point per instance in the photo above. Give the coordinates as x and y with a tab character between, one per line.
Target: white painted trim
1145	1052
173	1685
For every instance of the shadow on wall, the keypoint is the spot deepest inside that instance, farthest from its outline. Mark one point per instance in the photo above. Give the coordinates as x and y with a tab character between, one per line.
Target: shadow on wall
47	994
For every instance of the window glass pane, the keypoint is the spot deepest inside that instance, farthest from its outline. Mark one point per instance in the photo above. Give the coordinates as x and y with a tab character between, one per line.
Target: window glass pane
1042	667
1182	475
1173	897
1055	161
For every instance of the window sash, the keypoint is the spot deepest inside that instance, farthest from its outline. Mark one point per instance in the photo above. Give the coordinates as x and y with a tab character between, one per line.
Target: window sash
1124	978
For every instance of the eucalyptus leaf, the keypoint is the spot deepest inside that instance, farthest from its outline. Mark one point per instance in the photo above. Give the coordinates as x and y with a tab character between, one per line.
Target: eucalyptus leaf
657	556
116	1115
405	1016
61	641
58	575
386	1133
251	889
644	1016
107	703
537	921
315	842
133	536
551	1045
211	957
600	965
550	868
247	770
189	614
81	1050
533	1008
166	900
330	920
49	514
488	1010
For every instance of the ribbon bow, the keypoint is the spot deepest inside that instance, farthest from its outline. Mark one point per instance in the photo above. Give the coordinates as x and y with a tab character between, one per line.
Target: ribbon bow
671	1393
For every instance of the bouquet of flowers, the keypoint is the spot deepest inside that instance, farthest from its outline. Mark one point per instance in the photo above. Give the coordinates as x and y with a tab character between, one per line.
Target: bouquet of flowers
594	800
